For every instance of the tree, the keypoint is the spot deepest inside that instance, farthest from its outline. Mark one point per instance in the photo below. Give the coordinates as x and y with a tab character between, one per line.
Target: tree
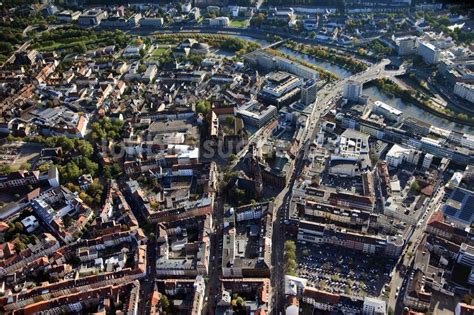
415	187
312	35
88	166
66	143
70	171
444	21
20	246
18	227
141	67
289	245
113	170
239	302
95	188
84	147
72	187
6	48
230	120
95	192
25	166
258	20
463	116
43	26
6	169
203	107
239	195
164	302
86	198
43	167
67	221
290	257
80	48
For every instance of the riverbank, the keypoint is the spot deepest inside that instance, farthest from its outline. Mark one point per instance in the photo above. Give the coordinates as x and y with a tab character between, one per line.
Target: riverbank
328	55
413	110
318	62
328	76
392	89
226	42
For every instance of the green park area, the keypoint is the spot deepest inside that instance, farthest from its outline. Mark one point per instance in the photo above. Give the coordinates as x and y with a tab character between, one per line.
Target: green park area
158	51
79	40
238	23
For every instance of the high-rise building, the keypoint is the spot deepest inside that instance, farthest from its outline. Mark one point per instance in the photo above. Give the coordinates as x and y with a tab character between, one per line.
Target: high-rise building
429	52
466	255
407	45
353	90
308	92
427	160
465	91
387	111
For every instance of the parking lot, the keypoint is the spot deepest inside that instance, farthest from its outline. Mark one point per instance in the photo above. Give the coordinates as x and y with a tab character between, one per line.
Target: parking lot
338	270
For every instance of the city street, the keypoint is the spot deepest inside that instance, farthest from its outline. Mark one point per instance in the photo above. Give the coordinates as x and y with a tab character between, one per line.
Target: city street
399	278
328	92
215	260
184	157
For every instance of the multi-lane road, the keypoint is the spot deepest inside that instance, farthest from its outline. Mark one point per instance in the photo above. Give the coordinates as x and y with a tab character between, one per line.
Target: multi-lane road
326	100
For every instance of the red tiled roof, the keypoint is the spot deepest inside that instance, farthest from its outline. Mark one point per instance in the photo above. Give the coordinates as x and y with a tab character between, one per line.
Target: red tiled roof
428	190
224	110
321	296
80	123
33	194
437	221
3	226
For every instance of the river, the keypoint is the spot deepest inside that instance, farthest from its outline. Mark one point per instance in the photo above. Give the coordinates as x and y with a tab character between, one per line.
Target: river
373	92
340	72
416	112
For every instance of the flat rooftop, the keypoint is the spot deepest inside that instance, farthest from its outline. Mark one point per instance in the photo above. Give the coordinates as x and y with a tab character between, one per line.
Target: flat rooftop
460	206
